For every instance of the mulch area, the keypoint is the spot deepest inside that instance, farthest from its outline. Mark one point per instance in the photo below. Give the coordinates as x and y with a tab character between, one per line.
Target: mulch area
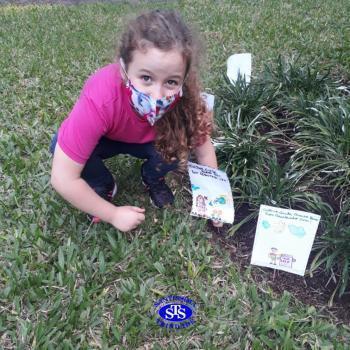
316	290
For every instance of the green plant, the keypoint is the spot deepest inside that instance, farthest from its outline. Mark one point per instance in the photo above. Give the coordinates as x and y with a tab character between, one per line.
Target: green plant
273	184
241	152
246	126
289	78
333	248
247	98
323	136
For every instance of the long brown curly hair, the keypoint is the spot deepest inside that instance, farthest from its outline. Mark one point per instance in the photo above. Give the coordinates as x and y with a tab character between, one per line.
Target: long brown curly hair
187	125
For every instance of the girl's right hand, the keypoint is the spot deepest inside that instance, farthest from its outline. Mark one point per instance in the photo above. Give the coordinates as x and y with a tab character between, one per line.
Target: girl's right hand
127	218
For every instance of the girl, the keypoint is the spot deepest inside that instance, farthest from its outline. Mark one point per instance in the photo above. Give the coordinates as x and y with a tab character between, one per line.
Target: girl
147	105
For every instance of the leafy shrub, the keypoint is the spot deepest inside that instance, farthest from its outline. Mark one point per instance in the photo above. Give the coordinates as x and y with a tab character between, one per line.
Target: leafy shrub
242	117
241	146
246	98
334	246
284	139
290	78
324	144
273	184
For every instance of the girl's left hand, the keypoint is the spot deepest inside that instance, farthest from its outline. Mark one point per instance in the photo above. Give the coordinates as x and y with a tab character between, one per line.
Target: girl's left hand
217	223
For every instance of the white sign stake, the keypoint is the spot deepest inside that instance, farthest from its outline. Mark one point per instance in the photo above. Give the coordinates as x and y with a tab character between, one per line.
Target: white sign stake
239	64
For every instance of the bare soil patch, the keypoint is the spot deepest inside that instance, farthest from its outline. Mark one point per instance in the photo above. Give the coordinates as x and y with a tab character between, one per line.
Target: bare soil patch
316	290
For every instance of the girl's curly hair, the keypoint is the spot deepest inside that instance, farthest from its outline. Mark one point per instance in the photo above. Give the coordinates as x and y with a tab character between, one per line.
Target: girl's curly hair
188	123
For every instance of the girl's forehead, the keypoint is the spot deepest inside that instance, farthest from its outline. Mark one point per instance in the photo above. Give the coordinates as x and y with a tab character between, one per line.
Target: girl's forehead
156	61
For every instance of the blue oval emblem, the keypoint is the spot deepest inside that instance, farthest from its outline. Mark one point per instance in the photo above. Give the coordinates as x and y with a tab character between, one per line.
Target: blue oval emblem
175	312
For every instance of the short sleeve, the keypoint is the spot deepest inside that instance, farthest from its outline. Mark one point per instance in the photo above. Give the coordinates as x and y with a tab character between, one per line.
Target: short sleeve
81	131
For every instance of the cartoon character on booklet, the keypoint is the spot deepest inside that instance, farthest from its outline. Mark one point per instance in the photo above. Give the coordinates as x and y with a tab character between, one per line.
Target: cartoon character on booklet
274	256
201	205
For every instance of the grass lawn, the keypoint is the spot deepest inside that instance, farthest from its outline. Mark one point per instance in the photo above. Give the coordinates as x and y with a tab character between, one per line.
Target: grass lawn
66	285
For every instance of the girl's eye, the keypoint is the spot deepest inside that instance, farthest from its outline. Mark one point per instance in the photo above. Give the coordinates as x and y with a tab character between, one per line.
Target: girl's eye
146	78
172	82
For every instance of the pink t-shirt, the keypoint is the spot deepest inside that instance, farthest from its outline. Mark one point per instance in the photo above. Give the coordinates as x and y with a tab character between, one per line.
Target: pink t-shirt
103	109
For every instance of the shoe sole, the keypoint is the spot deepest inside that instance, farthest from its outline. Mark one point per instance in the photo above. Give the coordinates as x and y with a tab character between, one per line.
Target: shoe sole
114	191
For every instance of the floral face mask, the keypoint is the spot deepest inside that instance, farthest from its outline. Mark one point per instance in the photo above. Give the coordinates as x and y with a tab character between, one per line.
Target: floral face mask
146	106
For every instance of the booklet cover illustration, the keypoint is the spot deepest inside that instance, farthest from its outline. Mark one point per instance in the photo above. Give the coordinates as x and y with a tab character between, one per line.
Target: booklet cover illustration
211	193
284	238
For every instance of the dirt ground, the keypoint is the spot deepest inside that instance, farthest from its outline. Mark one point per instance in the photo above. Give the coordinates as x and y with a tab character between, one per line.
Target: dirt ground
316	290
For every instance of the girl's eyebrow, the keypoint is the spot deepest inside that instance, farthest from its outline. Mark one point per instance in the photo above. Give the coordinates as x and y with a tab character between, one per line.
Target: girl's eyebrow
145	71
175	76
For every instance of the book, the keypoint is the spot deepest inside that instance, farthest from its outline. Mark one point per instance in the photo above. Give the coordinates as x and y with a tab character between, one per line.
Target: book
211	193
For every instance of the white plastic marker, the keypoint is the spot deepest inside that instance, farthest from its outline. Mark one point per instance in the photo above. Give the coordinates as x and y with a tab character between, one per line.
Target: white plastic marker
211	193
239	64
284	238
209	100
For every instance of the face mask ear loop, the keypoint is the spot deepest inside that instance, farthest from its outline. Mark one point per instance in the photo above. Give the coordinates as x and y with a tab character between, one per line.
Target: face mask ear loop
121	62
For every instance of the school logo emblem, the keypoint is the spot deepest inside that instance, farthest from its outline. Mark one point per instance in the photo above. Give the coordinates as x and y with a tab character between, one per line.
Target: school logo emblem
174	312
